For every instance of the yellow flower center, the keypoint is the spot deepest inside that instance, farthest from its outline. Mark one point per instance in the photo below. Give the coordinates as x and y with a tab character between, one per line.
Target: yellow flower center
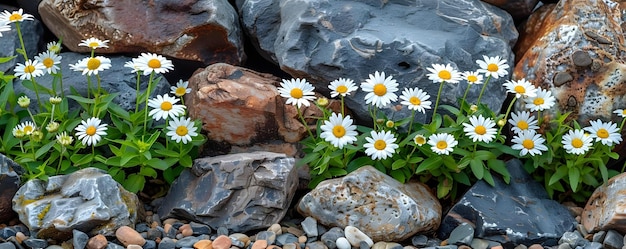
472	78
602	133
528	144
94	44
48	62
180	91
29	69
538	101
415	100
28	129
577	143
93	64
444	74
420	140
154	63
492	67
380	144
342	89
522	125
166	106
520	89
624	112
15	17
91	130
480	130
181	130
442	145
296	93
380	89
339	131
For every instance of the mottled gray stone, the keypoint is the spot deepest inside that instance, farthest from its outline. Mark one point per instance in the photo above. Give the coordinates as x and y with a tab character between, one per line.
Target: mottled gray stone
39	243
167	243
511	214
117	79
330	237
241	192
419	240
287	238
268	236
32	32
326	40
573	238
593	245
462	234
79	239
377	204
309	226
10	181
111	245
187	242
613	240
7	245
88	200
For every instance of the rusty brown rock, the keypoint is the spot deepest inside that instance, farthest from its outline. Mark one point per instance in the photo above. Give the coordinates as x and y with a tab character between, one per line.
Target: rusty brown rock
198	30
128	236
97	242
606	208
576	50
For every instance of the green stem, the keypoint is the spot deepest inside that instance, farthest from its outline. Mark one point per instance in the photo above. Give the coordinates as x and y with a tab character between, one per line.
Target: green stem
60	159
19	35
483	90
304	122
52	113
463	100
145	116
137	82
506	114
342	105
36	91
411	121
622	124
437	102
88	86
99	89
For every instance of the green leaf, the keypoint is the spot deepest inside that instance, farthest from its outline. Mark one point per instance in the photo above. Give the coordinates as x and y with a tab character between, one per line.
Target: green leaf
398	164
147	171
489	179
574	178
7	59
560	172
415	159
83	159
158	163
81	99
169	153
477	168
429	164
186	161
398	175
462	178
134	183
499	166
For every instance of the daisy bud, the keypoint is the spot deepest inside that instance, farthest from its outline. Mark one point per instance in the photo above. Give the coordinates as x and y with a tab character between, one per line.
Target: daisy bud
501	122
55	100
52	127
64	139
419	139
23	101
322	102
19	133
380	121
474	108
36	136
390	124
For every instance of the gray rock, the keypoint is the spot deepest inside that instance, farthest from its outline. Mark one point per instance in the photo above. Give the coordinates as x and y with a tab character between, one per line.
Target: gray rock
150	244
241	192
154	233
419	240
564	246
37	243
593	245
7	232
10	181
113	246
287	238
316	245
32	32
479	244
115	80
613	240
199	229
7	245
309	225
325	40
511	214
167	243
573	238
330	237
599	236
79	239
222	231
461	235
268	236
88	200
343	243
187	242
377	204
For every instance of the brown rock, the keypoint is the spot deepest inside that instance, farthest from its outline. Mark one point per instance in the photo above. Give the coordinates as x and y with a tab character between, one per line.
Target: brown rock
97	242
259	244
128	236
197	30
203	244
185	230
606	209
222	242
535	246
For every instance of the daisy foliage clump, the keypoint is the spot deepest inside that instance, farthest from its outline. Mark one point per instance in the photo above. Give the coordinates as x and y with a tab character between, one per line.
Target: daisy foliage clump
47	137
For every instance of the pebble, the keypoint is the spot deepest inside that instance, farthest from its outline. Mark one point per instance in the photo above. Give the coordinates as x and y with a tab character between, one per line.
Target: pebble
185	230
242	238
613	240
287	238
302	239
269	236
276	229
355	236
79	239
97	242
170	232
128	236
167	243
20	237
133	246
291	246
222	242
35	243
309	226
462	234
206	244
200	229
259	244
535	246
343	243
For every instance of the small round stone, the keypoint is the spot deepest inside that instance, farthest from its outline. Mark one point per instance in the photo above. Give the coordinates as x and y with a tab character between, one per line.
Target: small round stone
20	237
355	236
276	229
222	242
97	242
133	246
343	243
203	244
128	236
581	58
241	237
259	244
302	239
185	230
535	246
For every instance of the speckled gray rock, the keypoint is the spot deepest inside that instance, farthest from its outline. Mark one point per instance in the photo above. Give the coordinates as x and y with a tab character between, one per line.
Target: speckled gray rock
32	32
377	204
88	200
241	192
117	79
325	40
10	182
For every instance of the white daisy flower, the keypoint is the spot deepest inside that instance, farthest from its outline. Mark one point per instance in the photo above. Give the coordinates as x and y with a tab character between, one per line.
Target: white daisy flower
480	129
439	73
472	78
94	43
544	100
341	87
493	66
620	112
181	88
149	62
576	142
529	142
608	133
17	133
29	70
380	89
297	91
15	16
54	47
92	65
380	145
4	27
181	129
442	143
521	88
165	106
415	99
338	130
49	60
64	139
91	131
131	64
26	127
522	121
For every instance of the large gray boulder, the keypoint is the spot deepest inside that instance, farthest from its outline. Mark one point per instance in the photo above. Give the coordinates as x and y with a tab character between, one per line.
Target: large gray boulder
32	32
325	40
241	192
10	173
88	200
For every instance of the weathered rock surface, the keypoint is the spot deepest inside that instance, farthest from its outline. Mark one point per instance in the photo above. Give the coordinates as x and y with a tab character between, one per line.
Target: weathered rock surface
198	30
241	192
378	205
576	49
10	173
115	80
511	214
32	32
519	9
88	200
326	40
606	208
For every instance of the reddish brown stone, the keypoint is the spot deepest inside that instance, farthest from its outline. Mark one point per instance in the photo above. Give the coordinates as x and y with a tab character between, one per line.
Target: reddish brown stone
606	208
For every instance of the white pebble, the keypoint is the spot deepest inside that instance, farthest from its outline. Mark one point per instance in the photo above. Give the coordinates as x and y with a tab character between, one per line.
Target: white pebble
343	243
355	236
